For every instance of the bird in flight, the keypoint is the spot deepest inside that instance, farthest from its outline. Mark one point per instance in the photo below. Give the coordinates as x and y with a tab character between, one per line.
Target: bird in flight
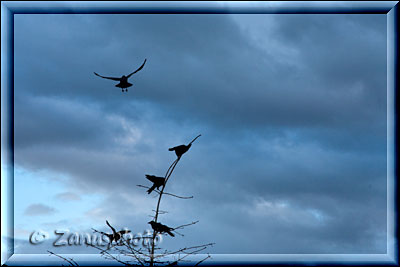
115	235
161	228
182	149
157	182
123	81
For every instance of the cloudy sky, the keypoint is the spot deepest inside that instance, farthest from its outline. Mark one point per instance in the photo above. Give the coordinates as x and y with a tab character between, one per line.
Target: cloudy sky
291	108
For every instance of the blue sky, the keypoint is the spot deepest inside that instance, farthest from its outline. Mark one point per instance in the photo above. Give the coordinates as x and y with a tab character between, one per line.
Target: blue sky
291	108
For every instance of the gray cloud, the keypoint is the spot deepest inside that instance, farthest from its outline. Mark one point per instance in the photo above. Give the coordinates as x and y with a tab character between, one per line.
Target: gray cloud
292	112
68	196
38	210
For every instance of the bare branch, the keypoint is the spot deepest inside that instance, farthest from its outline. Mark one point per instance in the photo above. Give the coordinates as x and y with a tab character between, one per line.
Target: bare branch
70	260
167	175
149	254
186	249
166	193
184	225
197	264
161	211
173	164
173	195
108	255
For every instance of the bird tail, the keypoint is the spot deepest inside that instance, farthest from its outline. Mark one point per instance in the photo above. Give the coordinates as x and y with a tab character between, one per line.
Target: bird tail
195	139
171	149
151	189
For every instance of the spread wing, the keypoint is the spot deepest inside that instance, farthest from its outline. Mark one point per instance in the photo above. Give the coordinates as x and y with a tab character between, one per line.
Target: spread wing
112	228
110	78
141	67
155	179
124	232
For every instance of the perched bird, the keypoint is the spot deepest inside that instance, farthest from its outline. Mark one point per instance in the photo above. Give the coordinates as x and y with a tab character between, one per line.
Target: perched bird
182	149
115	236
157	182
161	228
123	81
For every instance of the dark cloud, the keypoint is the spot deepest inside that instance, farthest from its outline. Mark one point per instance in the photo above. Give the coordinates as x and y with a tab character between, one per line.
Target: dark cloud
218	76
291	108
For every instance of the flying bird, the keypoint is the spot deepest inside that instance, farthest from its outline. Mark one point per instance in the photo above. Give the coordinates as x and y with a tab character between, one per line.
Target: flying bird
123	81
161	228
115	236
182	149
157	182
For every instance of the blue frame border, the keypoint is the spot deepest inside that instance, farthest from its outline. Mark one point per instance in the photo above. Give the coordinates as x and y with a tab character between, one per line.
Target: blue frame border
8	9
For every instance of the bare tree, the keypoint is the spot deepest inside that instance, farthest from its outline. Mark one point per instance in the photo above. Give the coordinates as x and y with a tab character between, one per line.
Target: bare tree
126	251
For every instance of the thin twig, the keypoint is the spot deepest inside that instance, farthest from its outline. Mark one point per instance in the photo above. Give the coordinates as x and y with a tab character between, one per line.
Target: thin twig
161	211
184	225
170	194
167	175
188	248
70	260
176	161
106	254
197	264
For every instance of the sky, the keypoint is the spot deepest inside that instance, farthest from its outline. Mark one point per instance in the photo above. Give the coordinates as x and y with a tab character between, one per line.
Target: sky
291	109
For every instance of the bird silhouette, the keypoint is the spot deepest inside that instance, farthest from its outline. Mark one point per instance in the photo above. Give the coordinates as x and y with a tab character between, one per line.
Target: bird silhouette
157	182
123	81
182	149
161	228
115	236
